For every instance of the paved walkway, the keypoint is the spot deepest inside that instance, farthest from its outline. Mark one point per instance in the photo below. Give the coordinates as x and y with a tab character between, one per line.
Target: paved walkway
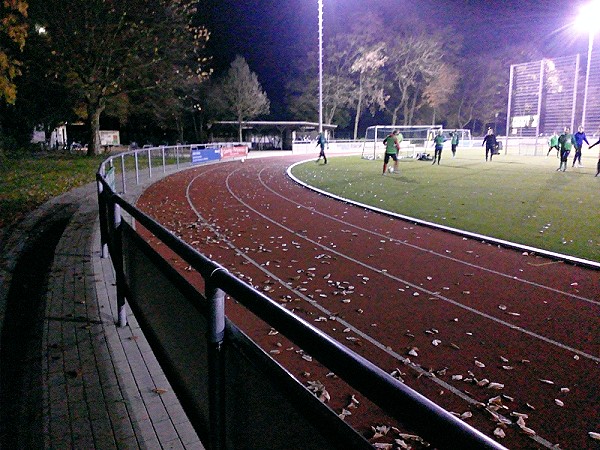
89	384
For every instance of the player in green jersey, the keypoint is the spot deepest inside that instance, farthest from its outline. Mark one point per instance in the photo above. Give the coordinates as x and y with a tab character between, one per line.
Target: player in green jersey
553	144
392	146
566	142
438	141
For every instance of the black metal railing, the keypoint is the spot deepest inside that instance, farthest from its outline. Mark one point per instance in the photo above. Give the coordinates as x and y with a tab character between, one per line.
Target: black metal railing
235	395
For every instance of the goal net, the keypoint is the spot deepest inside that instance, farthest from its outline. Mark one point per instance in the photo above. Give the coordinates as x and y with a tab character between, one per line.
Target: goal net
414	139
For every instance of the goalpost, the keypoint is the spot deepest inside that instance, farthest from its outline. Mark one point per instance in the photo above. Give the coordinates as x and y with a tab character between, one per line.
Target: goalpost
413	137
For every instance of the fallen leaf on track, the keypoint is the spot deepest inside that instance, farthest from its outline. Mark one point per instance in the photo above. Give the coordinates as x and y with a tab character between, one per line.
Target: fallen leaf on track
499	433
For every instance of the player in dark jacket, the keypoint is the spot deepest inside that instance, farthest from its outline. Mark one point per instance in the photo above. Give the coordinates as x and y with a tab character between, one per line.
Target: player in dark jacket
580	138
490	143
321	142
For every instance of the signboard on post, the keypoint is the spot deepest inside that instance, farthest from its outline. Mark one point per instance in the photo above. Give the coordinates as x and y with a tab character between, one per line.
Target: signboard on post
530	121
202	155
237	151
109	138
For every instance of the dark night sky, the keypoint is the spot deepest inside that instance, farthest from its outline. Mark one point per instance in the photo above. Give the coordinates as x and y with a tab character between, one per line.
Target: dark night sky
274	35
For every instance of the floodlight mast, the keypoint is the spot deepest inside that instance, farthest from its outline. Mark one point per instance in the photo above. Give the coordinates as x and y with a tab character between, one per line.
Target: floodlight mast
588	21
320	66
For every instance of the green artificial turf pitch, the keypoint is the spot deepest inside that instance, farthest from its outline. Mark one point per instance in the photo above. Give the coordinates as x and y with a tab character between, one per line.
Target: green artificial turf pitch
521	199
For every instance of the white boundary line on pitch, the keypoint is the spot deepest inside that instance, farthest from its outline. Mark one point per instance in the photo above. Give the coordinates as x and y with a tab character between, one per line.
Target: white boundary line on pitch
553	255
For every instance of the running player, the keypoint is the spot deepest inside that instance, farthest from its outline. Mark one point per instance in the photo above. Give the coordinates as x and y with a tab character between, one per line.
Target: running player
392	146
321	141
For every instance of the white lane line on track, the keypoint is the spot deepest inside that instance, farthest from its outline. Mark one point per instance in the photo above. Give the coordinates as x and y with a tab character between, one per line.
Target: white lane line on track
432	252
324	310
417	287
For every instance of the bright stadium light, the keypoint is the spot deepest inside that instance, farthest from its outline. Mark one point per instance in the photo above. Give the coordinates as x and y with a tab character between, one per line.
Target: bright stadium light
588	17
588	21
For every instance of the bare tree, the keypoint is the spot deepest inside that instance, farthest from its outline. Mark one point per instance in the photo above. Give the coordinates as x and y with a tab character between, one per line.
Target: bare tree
239	94
413	63
369	93
442	86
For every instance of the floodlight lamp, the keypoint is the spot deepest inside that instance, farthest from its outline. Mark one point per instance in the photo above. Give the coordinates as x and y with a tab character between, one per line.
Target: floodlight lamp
587	21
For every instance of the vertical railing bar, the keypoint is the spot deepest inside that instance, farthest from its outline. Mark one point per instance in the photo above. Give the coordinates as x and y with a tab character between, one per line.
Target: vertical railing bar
149	163
137	169
123	174
102	218
216	362
117	259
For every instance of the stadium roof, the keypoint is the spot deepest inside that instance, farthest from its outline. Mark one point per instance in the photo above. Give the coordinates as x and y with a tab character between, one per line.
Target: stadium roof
276	124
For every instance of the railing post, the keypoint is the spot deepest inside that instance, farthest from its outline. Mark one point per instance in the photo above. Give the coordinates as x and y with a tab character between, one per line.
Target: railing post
216	384
102	216
149	163
137	168
163	160
118	265
123	174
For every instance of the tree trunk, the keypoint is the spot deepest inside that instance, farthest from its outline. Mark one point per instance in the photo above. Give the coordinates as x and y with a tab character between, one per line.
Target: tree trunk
240	131
395	115
179	127
413	107
358	109
94	112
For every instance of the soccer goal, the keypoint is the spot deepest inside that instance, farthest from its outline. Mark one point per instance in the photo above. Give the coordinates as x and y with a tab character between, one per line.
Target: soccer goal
414	137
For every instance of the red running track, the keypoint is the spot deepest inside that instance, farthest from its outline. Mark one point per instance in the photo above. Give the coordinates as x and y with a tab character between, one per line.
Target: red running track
486	332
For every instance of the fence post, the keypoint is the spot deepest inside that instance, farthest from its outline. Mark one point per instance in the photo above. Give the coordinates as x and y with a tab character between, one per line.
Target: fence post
102	217
123	174
149	163
216	387
118	265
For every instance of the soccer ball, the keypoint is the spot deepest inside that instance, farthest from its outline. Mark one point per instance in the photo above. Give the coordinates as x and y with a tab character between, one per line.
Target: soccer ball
391	170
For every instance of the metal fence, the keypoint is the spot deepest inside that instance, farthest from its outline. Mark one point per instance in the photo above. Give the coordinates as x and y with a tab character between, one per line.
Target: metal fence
236	395
548	95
